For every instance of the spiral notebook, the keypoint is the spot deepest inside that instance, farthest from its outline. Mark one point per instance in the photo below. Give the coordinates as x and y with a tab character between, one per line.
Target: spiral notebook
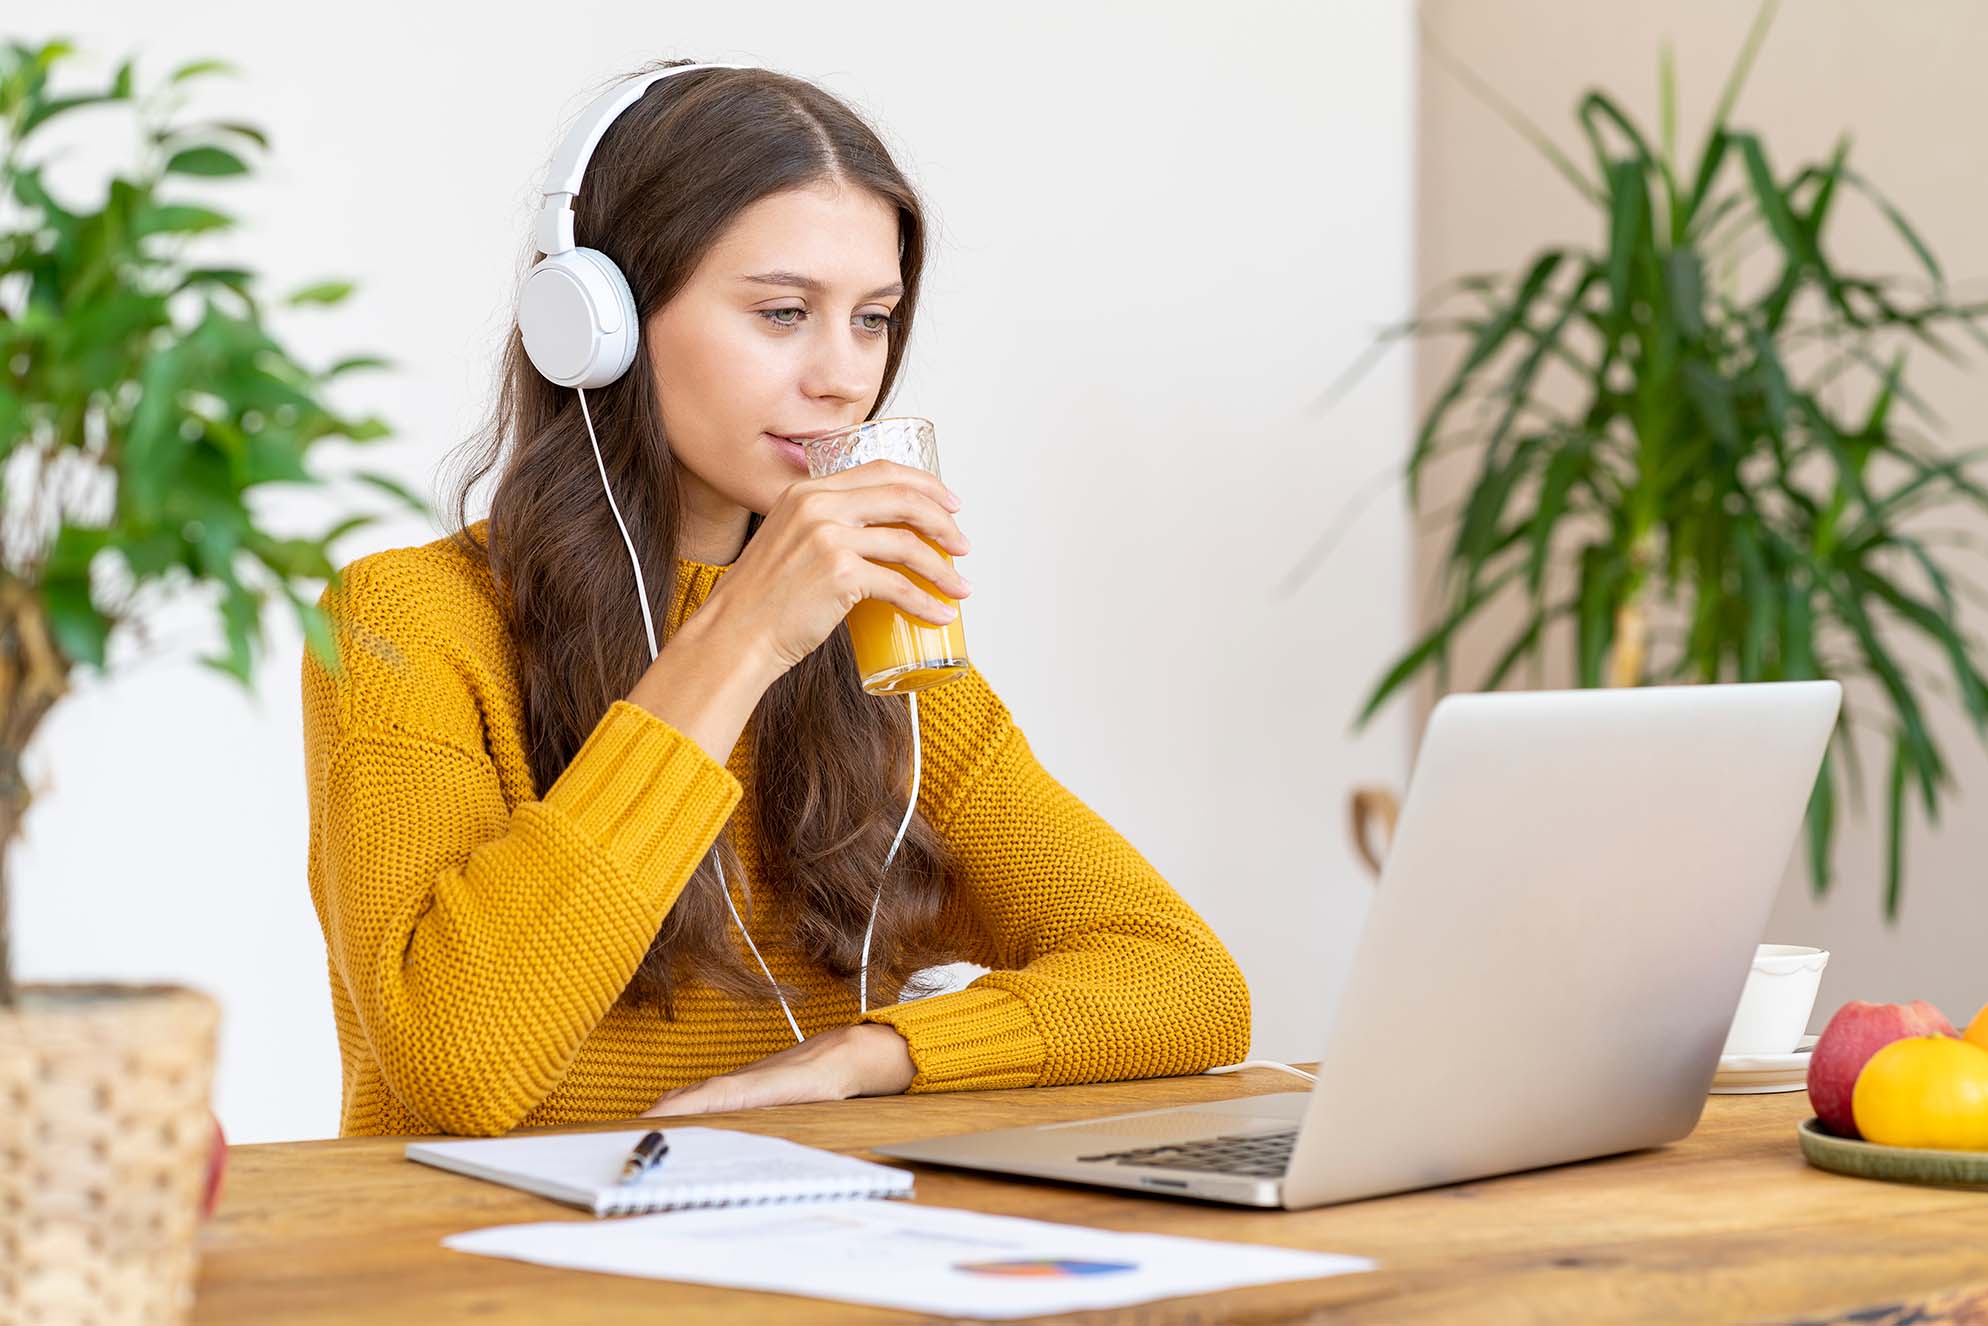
705	1167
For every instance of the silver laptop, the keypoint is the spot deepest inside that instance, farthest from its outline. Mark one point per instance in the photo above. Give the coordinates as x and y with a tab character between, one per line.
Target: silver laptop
1548	970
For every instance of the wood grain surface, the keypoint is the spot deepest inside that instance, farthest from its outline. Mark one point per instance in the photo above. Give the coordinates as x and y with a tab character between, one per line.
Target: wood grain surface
1729	1225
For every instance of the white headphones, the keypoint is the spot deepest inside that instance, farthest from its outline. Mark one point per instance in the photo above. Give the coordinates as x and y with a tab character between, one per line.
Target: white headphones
575	310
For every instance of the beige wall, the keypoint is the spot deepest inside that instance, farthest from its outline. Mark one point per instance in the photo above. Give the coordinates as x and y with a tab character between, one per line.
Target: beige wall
1906	80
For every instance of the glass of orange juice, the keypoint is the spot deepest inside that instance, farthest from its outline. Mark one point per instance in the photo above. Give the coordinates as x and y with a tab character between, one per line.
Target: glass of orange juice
895	653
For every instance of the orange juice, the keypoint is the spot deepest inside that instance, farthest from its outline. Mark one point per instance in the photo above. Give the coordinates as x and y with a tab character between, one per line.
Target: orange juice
896	653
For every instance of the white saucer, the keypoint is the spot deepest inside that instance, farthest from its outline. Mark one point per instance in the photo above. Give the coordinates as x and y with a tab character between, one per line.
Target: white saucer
1757	1074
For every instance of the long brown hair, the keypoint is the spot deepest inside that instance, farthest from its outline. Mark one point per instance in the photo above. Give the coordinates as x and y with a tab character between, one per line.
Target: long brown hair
831	765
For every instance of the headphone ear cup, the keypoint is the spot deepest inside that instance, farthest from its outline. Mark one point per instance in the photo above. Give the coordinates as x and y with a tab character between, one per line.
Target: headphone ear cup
577	316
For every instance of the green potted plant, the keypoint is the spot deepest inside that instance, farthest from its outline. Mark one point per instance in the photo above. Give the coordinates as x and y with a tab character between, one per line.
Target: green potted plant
142	402
1696	447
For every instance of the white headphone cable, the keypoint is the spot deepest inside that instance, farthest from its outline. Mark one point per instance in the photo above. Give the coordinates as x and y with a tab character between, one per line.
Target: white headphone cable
641	589
1262	1063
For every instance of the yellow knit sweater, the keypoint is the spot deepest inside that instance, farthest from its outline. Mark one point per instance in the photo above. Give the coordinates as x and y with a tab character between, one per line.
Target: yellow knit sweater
480	931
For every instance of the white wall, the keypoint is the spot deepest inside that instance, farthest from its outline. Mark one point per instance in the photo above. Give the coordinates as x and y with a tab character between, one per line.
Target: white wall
1161	230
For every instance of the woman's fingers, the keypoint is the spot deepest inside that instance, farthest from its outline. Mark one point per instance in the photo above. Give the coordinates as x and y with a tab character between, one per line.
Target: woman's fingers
901	592
906	551
898	495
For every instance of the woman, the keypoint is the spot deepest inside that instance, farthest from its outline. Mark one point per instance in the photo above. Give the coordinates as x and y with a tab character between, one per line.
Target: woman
514	810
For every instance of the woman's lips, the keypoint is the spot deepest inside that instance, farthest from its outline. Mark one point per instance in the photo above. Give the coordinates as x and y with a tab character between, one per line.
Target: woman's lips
790	449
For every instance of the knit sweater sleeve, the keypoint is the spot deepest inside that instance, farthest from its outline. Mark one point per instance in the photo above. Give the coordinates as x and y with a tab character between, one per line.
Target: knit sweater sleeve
1101	971
481	936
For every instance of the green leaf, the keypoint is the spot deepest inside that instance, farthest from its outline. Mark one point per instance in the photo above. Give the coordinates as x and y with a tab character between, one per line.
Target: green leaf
1923	756
1821	822
241	622
1629	211
369	429
1894	838
1899	223
325	292
212	161
236	127
273	457
200	69
344	527
1773	204
1509	113
1601	576
394	488
179	219
152	446
1525	642
13	415
241	280
152	552
293	559
1709	162
1431	645
1490	336
249	131
354	364
1763	19
1939	629
79	630
1684	282
1562	472
1762	618
34	195
48	110
318	637
1667	105
75	547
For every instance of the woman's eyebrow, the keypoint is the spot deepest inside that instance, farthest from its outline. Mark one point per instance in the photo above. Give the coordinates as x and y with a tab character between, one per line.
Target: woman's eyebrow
814	287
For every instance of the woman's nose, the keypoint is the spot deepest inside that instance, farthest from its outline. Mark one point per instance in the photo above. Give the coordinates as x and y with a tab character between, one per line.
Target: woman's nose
840	367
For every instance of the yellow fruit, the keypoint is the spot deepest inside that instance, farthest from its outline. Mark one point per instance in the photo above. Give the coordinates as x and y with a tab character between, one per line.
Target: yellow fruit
1925	1091
1977	1030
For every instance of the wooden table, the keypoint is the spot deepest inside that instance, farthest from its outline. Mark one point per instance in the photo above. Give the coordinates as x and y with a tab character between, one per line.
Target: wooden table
1730	1225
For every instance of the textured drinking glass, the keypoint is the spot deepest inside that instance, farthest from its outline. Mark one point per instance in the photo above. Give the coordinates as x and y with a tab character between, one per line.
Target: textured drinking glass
895	653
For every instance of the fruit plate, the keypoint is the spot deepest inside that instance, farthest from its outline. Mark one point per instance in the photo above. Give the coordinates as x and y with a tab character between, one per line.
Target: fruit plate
1900	1164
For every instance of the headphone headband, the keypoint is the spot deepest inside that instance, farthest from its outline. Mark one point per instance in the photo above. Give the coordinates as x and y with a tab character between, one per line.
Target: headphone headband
554	227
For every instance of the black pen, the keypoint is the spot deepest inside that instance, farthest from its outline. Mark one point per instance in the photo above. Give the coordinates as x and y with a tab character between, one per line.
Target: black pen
648	1154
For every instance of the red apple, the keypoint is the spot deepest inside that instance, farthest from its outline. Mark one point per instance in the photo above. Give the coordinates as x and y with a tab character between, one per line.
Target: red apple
1856	1032
217	1161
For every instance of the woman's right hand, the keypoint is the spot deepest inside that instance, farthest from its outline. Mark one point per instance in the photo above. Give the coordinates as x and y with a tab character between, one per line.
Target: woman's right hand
828	544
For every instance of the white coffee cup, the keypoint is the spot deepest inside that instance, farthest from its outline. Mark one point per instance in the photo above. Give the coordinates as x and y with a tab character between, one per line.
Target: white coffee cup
1779	995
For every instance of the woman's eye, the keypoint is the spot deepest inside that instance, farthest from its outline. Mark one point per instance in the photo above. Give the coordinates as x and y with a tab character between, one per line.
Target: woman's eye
875	324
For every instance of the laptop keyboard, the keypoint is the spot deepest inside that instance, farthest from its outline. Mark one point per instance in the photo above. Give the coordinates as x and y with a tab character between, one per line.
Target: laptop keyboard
1258	1155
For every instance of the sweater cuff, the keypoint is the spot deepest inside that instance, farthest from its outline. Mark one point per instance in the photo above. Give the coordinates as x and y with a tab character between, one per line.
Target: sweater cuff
978	1039
644	791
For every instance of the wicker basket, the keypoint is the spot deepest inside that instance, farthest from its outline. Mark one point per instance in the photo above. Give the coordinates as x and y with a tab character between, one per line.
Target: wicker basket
104	1140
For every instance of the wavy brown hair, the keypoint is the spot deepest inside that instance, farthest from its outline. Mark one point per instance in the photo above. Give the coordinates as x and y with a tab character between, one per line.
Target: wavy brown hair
831	765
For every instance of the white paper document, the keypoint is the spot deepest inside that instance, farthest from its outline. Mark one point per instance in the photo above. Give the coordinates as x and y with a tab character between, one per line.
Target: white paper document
929	1259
